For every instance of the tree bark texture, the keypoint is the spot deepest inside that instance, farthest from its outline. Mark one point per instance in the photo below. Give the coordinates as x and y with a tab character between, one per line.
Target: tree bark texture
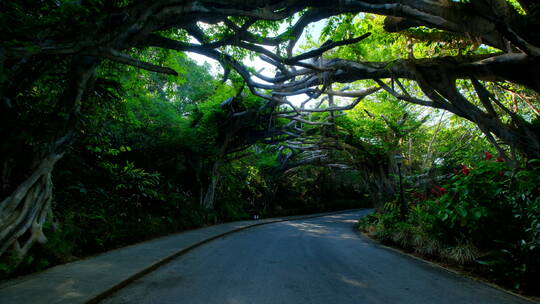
23	213
24	210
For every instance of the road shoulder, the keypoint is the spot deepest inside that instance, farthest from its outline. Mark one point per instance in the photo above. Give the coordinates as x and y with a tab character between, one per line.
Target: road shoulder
442	266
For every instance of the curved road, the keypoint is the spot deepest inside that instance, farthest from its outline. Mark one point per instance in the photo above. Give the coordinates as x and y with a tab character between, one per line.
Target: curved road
321	260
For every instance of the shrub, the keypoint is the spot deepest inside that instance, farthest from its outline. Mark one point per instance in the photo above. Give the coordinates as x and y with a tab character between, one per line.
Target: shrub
488	213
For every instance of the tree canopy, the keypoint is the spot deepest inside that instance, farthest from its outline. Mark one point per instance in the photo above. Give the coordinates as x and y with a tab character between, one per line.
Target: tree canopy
109	82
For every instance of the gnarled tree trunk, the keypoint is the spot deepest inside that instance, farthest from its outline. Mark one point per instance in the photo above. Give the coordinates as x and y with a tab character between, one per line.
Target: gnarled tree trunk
24	209
23	213
210	196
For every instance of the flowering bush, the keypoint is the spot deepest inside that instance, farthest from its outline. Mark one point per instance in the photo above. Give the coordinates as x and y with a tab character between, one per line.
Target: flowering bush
488	213
499	211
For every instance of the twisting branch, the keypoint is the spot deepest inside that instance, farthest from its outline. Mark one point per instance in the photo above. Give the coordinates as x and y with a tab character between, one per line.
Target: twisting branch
406	97
361	93
111	33
324	48
120	57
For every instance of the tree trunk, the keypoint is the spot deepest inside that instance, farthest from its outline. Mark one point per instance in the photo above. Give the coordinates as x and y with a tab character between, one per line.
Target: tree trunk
385	186
210	196
27	200
23	213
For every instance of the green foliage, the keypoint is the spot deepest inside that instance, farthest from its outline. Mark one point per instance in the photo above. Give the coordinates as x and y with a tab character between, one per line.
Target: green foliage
384	46
487	213
148	144
131	176
365	123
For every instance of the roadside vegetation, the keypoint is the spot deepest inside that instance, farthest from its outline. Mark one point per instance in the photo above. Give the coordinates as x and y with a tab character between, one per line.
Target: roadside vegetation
484	218
426	111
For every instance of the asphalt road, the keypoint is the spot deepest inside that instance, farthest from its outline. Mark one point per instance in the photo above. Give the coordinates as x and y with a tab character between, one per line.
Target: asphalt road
321	260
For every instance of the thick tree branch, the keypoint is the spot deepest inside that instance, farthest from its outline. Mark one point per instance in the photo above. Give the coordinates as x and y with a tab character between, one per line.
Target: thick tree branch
126	59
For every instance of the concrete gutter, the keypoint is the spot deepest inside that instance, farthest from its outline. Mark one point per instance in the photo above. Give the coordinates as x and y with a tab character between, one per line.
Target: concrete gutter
92	279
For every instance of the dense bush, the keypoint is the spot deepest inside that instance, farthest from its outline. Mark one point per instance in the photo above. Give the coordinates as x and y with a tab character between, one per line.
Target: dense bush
487	216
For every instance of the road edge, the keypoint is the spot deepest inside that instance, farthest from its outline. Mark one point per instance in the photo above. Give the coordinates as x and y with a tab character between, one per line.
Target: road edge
102	295
439	266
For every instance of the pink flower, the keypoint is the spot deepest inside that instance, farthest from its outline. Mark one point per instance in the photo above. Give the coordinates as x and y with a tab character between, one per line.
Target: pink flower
487	156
